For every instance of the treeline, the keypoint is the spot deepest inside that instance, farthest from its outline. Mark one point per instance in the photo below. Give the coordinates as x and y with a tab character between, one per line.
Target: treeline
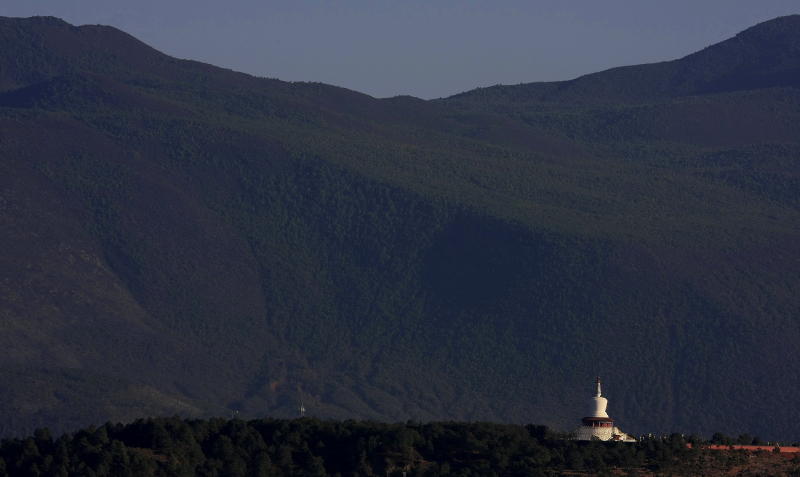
310	447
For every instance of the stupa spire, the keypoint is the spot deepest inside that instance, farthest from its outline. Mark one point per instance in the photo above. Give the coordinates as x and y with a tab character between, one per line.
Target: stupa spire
599	392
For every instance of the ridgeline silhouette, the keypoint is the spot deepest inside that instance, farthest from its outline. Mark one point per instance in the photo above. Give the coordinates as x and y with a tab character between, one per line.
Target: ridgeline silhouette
184	239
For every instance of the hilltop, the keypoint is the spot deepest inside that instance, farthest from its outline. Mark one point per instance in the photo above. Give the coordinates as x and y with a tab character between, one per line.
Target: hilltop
185	239
766	55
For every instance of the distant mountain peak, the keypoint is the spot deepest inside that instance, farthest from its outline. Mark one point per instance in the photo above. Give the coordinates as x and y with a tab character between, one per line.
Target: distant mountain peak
44	20
38	49
781	34
765	55
783	27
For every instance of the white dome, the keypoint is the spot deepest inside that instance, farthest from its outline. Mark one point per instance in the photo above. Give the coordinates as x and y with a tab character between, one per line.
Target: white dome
598	408
598	424
599	403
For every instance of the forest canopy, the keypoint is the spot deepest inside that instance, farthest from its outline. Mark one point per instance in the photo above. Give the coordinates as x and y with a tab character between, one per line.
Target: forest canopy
312	447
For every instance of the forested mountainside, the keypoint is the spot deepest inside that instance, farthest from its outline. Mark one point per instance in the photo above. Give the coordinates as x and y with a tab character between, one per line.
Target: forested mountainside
183	239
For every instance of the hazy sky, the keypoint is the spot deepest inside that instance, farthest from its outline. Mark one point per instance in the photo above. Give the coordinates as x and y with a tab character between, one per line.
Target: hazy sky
423	48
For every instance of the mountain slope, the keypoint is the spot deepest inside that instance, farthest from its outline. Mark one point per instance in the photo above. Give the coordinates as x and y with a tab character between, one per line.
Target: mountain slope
186	239
763	56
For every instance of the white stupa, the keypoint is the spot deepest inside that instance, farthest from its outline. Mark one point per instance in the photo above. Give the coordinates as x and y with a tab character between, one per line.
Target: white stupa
598	425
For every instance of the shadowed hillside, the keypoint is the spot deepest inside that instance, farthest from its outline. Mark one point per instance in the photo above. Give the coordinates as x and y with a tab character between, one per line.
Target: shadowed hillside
184	239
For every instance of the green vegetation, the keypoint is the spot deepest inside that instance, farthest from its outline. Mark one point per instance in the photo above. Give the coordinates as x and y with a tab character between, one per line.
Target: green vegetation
182	239
309	447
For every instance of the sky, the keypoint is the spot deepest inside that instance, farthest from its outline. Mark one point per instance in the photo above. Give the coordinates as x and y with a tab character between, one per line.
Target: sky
427	49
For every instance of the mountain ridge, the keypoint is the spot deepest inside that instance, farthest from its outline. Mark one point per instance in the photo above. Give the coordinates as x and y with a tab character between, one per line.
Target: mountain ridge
185	239
683	76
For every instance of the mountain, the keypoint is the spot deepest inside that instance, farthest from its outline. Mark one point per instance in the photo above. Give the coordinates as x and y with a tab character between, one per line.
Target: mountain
763	56
184	239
